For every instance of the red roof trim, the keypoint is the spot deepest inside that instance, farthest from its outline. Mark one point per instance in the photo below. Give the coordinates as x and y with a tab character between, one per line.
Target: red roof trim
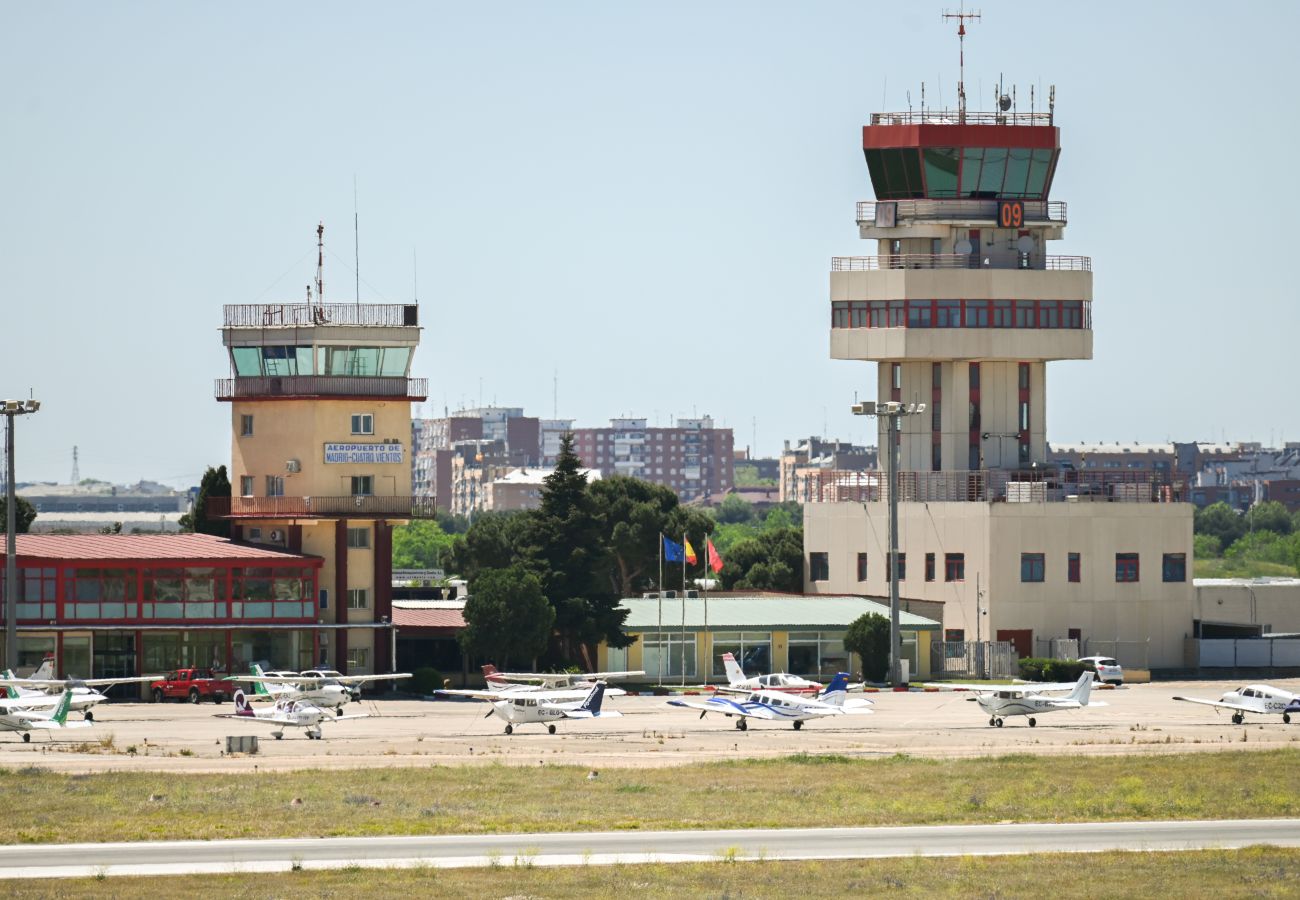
1034	137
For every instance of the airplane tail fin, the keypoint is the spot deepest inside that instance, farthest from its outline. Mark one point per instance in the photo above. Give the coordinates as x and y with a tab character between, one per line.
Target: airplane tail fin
835	691
46	669
1082	689
490	676
61	711
241	704
594	699
259	688
735	674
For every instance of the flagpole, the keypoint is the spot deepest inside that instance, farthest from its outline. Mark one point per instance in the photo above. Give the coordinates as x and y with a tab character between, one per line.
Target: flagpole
683	601
660	593
704	586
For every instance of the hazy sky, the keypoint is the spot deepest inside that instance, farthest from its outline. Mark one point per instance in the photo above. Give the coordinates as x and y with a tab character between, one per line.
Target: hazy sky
643	197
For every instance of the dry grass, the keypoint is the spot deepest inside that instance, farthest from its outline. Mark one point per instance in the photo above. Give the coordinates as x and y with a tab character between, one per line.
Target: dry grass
1256	872
789	792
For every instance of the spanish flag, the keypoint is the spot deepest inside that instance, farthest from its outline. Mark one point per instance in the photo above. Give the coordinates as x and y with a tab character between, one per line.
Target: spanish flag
690	552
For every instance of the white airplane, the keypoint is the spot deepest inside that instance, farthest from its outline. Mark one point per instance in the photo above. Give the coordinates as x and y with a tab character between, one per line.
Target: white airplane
1261	699
17	718
42	690
318	687
551	681
286	714
1030	700
780	706
550	707
777	681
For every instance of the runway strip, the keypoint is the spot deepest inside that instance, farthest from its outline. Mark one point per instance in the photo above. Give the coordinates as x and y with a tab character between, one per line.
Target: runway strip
604	848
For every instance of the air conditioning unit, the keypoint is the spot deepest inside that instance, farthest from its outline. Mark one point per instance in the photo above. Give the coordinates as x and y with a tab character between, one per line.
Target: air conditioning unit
292	465
277	536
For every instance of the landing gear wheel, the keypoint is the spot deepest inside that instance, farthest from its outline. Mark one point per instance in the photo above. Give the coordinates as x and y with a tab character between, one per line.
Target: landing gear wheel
741	725
993	720
798	725
510	729
1238	718
88	716
1286	718
550	729
997	722
1032	721
27	738
278	735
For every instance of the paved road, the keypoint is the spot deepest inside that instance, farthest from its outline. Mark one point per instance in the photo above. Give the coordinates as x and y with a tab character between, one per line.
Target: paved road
179	857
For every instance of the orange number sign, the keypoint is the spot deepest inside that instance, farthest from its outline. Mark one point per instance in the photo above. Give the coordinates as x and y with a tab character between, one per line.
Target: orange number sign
1011	213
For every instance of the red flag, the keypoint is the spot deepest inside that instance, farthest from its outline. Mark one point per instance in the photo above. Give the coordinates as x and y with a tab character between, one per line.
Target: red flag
715	558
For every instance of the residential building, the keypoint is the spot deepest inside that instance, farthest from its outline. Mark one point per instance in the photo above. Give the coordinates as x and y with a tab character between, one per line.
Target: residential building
692	457
505	431
804	467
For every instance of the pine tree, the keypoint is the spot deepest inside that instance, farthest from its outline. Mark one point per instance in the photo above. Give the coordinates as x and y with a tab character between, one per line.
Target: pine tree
215	483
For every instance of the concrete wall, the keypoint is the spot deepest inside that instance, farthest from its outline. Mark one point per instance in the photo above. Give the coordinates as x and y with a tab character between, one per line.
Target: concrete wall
1272	605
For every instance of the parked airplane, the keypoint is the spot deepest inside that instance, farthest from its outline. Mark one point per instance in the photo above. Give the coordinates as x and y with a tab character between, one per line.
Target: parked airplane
1031	700
774	705
42	690
286	714
318	687
1262	699
17	718
550	707
551	681
777	681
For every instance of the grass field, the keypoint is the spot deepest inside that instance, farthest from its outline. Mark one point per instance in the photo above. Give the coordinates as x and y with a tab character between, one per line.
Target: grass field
1255	872
793	791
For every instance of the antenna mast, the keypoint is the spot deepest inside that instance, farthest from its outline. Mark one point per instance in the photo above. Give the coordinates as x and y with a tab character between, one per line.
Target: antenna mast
356	238
76	469
320	262
961	16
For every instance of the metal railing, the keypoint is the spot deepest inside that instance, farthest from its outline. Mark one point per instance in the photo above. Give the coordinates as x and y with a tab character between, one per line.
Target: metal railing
956	117
973	659
275	315
349	506
996	486
953	261
965	210
321	386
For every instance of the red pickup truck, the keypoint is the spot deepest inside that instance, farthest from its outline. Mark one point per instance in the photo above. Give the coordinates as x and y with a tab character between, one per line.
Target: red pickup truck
194	685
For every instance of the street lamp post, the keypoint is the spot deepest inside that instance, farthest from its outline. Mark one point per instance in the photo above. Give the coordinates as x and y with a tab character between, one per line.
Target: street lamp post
11	409
891	413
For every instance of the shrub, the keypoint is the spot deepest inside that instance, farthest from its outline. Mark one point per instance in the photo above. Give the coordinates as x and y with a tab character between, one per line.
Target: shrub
1034	668
425	681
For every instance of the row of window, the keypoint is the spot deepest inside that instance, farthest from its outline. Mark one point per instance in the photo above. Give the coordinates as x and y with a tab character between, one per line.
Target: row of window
361	485
293	360
937	172
1033	567
1038	314
362	424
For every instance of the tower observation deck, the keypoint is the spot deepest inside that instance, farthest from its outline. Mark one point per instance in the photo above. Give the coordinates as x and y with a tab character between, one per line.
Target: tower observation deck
961	306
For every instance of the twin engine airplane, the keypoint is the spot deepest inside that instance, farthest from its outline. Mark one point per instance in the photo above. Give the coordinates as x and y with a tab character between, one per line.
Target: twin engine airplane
550	681
42	690
778	681
26	720
286	713
321	688
776	705
525	707
1260	699
1030	700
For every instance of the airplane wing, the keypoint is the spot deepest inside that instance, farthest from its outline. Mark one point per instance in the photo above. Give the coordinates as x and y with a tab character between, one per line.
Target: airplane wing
266	720
588	714
61	683
1236	707
341	718
727	707
609	676
1072	704
477	695
361	679
969	688
270	679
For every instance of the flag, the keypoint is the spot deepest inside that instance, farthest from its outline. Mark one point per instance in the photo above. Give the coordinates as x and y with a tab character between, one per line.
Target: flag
715	558
690	552
672	551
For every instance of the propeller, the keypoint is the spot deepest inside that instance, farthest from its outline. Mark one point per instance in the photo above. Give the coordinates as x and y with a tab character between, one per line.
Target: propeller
703	713
489	714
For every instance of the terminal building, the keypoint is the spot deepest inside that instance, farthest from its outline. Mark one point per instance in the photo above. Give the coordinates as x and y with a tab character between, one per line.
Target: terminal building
961	307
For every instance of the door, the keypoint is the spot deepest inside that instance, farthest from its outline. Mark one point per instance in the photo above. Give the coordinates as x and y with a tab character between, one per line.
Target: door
1021	640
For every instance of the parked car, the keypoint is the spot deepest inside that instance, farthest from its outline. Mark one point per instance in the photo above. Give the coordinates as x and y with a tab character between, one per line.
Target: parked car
1105	669
193	685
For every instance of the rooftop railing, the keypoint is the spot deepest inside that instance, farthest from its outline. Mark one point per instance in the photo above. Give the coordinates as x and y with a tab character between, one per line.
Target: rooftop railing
288	386
955	261
964	210
345	507
957	117
996	486
276	315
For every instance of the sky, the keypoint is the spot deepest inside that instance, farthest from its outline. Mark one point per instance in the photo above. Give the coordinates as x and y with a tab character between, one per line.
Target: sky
610	209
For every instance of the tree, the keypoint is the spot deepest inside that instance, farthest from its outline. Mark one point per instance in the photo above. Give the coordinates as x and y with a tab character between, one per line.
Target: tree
421	545
771	561
632	515
734	510
506	616
1270	516
1221	521
496	540
1206	546
215	483
868	636
24	515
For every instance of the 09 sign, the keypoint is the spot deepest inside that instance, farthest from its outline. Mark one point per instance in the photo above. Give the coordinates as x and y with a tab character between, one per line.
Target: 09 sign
1011	213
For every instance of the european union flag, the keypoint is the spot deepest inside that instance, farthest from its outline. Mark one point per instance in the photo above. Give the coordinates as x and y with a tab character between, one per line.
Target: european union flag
673	552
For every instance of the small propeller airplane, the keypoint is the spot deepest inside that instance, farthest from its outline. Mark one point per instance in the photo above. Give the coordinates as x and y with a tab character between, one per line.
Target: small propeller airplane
549	707
1257	699
551	681
773	705
777	681
286	713
15	718
319	687
1030	700
42	690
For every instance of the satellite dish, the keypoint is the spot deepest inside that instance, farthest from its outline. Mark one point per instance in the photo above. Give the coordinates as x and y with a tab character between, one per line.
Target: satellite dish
1025	244
963	248
1004	102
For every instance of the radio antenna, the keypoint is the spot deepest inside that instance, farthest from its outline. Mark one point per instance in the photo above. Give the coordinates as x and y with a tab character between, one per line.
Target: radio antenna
961	15
356	237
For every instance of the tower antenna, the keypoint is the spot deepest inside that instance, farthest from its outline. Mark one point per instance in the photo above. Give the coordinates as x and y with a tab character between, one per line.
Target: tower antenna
320	263
356	237
76	469
961	15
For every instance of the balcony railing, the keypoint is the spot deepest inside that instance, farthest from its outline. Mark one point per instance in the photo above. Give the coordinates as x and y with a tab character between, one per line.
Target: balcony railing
272	315
956	117
995	486
346	507
954	261
961	210
287	386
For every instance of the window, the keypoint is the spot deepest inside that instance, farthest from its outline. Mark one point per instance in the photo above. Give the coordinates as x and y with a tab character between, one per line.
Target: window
1174	567
862	567
245	485
936	457
752	649
324	598
1031	567
1023	373
954	567
896	371
363	485
274	486
902	567
359	538
670	657
819	654
1074	568
358	659
929	567
819	567
1126	567
245	426
358	598
954	635
363	423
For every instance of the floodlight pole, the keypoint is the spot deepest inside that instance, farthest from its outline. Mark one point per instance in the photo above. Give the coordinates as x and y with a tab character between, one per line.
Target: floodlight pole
12	408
